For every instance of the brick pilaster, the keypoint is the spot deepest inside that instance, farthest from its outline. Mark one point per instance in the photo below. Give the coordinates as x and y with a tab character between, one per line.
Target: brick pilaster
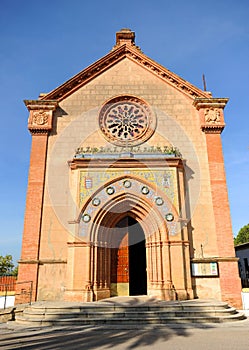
212	124
40	123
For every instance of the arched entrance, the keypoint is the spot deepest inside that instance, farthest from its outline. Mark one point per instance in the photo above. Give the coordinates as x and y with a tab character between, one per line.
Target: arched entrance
128	259
130	253
127	245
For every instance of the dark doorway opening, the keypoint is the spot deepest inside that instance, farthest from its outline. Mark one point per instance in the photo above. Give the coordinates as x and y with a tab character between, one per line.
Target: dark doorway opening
137	259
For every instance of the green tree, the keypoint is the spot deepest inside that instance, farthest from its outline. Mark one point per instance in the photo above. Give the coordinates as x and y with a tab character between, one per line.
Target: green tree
242	236
7	266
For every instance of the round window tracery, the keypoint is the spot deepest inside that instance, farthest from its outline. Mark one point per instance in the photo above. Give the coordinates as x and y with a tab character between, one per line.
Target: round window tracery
126	121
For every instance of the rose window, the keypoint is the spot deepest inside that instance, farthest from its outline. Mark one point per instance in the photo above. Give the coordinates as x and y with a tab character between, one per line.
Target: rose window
126	121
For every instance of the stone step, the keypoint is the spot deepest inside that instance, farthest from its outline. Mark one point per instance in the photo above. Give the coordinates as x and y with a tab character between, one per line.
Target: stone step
117	313
93	310
127	313
127	320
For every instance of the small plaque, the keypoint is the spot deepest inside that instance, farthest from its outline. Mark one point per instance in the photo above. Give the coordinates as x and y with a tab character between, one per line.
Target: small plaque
205	269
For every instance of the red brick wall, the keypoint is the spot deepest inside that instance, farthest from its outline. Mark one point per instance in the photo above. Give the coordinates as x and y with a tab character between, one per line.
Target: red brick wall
28	265
229	276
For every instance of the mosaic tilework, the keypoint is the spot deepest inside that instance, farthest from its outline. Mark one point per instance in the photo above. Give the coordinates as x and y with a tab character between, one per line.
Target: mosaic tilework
118	186
164	180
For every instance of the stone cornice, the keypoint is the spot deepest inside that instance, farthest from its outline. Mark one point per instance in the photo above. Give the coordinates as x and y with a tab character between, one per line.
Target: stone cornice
125	163
112	58
210	102
40	104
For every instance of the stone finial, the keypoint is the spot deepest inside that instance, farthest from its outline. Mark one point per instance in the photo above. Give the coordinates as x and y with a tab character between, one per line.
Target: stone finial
125	36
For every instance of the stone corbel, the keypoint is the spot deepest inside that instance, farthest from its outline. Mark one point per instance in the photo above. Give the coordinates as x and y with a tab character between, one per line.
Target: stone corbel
40	116
211	114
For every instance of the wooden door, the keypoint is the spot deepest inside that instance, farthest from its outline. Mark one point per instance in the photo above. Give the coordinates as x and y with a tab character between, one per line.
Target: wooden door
123	261
128	261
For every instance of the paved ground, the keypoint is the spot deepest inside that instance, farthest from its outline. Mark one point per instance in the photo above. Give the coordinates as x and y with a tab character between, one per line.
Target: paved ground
228	336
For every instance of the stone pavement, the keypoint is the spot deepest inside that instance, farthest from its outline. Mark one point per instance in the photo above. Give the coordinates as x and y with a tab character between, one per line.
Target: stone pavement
227	336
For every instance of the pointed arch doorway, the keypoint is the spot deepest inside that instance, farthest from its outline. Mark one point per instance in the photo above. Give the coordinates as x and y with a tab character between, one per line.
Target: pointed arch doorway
128	259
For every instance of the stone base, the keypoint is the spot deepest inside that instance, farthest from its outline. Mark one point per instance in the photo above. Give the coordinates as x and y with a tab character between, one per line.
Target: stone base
101	294
183	294
119	289
171	294
79	295
162	294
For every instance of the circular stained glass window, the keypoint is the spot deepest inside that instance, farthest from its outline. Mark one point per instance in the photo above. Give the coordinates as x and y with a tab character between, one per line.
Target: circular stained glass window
126	121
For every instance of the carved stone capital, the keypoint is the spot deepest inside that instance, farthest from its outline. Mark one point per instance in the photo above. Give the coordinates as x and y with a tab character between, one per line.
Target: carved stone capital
211	113
40	116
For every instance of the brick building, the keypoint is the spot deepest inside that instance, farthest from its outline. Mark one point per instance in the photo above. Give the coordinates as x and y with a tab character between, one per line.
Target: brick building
127	192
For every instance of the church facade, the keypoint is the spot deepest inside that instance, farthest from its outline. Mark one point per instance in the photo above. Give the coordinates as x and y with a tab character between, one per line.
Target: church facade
127	191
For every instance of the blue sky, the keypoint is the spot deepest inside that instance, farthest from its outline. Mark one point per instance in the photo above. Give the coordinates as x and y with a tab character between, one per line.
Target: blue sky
43	44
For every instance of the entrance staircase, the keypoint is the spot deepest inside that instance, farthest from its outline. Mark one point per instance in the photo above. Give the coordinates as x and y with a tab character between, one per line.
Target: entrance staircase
124	311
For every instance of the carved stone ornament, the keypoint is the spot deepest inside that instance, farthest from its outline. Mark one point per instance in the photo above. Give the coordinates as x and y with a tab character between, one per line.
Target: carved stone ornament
40	121
40	118
212	115
41	115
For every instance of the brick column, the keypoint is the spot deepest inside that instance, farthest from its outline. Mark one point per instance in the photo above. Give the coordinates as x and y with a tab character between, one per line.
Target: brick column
39	124
212	124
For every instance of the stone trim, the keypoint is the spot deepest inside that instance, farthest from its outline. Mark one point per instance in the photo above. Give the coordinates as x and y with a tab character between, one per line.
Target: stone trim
200	102
125	162
215	259
43	261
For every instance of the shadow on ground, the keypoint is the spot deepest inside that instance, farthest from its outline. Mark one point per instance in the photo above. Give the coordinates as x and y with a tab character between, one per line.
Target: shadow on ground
82	337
